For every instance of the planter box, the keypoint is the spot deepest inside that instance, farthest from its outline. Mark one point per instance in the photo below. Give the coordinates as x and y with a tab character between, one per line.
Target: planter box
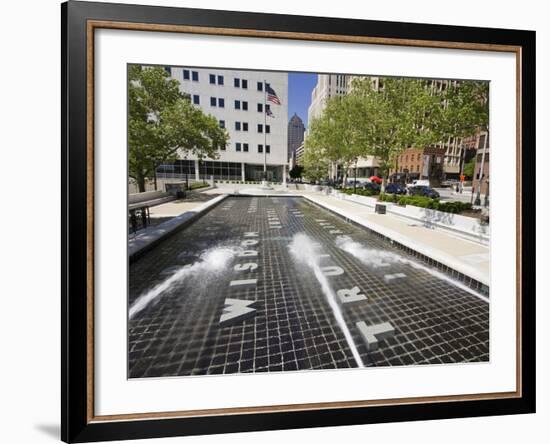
469	226
363	200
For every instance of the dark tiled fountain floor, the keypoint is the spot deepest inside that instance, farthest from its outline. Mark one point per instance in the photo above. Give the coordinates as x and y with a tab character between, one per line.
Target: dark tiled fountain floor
294	326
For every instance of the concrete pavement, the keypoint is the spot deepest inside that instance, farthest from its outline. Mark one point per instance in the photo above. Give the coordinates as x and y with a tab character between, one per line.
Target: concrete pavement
467	257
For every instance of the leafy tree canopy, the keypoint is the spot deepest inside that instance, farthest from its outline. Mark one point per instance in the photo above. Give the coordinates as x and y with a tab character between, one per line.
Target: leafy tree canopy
296	171
162	123
469	168
383	119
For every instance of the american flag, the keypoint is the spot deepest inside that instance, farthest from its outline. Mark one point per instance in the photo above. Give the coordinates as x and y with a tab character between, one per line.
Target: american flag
268	111
271	95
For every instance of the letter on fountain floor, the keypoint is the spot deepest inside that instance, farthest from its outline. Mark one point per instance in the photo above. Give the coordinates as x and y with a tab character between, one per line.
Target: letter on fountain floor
373	333
236	310
350	295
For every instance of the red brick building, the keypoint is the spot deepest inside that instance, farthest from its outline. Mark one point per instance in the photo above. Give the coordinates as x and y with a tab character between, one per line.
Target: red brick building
419	163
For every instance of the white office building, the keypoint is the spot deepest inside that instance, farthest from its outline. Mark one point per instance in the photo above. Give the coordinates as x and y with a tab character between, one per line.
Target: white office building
328	85
238	100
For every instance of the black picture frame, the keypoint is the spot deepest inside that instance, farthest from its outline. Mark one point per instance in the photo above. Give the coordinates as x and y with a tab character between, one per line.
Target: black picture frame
77	424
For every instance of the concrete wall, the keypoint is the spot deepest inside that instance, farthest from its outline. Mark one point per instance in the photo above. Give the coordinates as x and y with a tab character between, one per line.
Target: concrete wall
469	227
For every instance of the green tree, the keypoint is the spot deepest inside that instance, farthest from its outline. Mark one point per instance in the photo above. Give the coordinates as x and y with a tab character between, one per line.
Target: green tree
337	132
296	171
465	111
469	168
465	108
315	164
162	123
399	114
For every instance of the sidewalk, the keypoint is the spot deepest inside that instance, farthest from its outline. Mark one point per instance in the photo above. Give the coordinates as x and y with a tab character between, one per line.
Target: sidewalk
467	257
177	207
181	213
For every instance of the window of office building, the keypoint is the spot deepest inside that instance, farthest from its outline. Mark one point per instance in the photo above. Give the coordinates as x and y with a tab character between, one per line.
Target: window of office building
220	170
268	149
267	129
238	146
196	99
260	148
222	123
220	80
179	167
221	103
245	84
212	101
237	126
237	104
195	76
260	86
245	126
245	106
260	107
237	83
168	70
245	147
260	128
185	74
212	79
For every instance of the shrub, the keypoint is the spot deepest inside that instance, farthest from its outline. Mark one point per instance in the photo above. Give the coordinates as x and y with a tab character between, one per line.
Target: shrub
359	191
197	185
427	202
388	197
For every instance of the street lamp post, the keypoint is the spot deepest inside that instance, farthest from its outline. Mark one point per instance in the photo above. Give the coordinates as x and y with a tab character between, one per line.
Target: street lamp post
355	177
462	161
265	133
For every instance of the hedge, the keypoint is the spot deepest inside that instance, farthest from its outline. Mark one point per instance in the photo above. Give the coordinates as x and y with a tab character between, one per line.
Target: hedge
197	185
427	202
360	192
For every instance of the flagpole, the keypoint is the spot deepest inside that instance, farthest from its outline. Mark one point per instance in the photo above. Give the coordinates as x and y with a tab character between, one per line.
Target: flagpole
265	132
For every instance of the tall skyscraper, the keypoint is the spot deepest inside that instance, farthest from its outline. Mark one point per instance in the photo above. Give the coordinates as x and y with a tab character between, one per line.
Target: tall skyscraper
296	131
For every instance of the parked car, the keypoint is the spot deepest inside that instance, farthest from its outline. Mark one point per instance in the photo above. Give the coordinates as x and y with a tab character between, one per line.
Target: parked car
419	182
395	188
449	183
422	190
373	186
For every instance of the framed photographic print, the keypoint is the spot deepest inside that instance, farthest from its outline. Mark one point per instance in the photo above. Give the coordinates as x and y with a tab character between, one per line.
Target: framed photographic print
275	221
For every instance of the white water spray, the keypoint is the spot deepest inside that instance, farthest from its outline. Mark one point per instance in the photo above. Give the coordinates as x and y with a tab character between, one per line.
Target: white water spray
303	248
379	258
212	261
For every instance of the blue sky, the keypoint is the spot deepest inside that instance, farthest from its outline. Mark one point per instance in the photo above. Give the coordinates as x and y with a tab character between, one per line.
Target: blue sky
300	86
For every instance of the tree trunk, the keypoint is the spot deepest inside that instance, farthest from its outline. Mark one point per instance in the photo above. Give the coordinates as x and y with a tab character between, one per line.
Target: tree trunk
140	179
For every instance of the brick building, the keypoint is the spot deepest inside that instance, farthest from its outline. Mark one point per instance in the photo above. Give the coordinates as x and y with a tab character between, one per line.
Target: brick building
480	180
419	163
